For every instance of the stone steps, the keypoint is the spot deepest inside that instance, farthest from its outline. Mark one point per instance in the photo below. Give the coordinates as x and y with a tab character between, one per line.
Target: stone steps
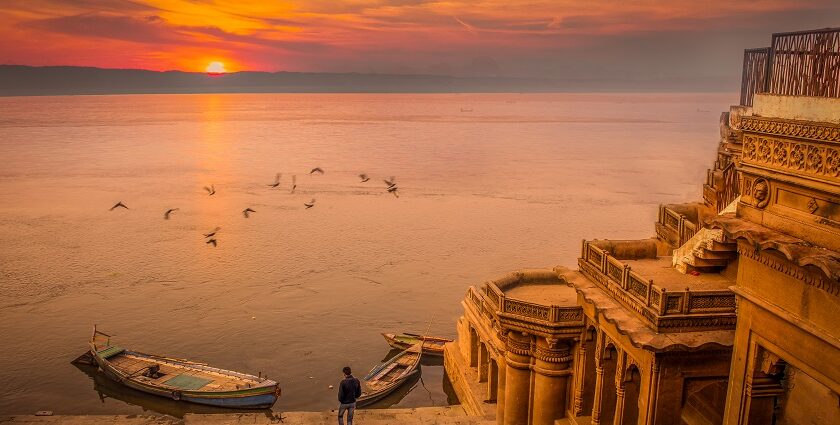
448	415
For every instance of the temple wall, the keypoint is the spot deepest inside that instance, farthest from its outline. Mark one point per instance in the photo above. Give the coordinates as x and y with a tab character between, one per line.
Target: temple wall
782	316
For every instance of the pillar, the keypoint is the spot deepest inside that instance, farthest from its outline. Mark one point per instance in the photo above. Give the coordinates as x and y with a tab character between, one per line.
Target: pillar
584	378
599	379
619	388
517	378
551	373
483	362
653	394
500	393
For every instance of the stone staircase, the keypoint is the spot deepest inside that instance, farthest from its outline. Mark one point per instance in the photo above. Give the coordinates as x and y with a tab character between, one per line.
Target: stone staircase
708	251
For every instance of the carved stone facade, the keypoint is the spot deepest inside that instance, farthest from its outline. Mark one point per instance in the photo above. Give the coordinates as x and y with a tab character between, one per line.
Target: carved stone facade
748	332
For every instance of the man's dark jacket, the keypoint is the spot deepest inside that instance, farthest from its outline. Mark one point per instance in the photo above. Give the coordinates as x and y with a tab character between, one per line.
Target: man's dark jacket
349	390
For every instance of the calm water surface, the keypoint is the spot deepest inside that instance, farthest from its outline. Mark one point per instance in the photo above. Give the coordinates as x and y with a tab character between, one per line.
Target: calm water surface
298	293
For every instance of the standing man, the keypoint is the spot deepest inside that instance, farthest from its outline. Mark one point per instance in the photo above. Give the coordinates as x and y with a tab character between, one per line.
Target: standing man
348	391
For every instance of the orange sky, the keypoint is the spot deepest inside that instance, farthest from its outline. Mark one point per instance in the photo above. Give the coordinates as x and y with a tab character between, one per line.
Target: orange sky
465	37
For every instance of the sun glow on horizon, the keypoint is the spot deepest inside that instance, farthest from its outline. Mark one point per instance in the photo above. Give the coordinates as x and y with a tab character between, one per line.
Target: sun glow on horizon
215	68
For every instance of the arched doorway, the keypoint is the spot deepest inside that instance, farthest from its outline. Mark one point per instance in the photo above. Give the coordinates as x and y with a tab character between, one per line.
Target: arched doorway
473	347
632	382
608	394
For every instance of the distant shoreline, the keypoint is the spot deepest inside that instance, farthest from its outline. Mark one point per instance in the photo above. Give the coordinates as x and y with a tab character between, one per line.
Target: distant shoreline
19	80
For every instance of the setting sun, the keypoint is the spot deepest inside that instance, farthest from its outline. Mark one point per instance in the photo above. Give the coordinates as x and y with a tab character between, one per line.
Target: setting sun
216	68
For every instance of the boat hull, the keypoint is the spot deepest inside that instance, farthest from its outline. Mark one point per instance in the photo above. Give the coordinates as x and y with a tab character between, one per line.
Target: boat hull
367	400
431	346
252	398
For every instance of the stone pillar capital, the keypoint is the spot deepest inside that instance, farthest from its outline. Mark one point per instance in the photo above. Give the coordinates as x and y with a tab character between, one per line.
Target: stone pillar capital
557	353
518	343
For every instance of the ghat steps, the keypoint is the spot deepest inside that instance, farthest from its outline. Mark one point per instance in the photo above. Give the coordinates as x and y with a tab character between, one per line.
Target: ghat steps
448	415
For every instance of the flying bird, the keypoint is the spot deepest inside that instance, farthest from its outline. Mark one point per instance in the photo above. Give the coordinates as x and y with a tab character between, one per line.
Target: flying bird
213	233
294	184
276	181
393	189
310	204
212	242
118	204
210	190
364	177
168	212
247	211
317	170
391	183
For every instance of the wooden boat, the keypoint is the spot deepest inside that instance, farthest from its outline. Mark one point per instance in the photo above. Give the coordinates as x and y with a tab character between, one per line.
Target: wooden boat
387	377
181	380
431	345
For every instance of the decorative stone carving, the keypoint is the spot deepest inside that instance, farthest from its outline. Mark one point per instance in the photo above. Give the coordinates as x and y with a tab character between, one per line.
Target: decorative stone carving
517	346
832	287
761	193
792	155
527	309
805	130
813	206
553	356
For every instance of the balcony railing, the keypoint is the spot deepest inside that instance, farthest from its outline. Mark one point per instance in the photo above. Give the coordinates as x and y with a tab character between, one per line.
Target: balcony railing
678	227
753	77
805	63
491	301
659	307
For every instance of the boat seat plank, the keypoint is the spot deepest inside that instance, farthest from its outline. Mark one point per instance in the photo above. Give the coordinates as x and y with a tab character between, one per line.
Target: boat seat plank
110	351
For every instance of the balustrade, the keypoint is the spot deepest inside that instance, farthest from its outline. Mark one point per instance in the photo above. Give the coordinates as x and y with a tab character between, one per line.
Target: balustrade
648	299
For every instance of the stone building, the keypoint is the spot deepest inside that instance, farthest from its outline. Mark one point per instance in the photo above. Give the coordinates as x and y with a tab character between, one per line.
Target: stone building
730	314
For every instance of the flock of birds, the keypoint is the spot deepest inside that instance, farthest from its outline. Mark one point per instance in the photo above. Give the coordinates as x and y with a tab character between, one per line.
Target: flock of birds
211	190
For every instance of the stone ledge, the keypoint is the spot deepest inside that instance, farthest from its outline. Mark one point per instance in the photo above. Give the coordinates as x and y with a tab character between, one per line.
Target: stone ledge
448	415
91	420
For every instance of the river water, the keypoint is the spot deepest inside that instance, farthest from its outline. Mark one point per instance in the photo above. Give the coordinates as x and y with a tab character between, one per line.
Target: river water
487	184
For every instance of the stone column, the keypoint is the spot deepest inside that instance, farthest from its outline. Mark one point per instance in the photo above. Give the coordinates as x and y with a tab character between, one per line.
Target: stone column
653	393
551	368
483	362
580	376
619	388
517	378
599	379
500	393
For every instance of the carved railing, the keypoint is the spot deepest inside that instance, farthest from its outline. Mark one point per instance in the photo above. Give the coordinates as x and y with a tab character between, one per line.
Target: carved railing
723	182
805	63
681	228
661	308
491	300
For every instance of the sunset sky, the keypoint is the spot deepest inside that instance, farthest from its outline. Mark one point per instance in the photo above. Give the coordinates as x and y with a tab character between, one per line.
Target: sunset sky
534	38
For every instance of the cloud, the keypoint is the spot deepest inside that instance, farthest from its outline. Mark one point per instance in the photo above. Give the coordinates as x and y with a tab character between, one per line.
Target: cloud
147	29
529	38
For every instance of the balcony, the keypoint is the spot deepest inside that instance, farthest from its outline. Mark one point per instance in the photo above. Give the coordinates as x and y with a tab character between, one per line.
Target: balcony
530	300
632	273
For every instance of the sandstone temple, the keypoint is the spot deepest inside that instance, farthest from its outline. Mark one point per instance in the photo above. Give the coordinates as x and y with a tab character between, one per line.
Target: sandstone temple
729	314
